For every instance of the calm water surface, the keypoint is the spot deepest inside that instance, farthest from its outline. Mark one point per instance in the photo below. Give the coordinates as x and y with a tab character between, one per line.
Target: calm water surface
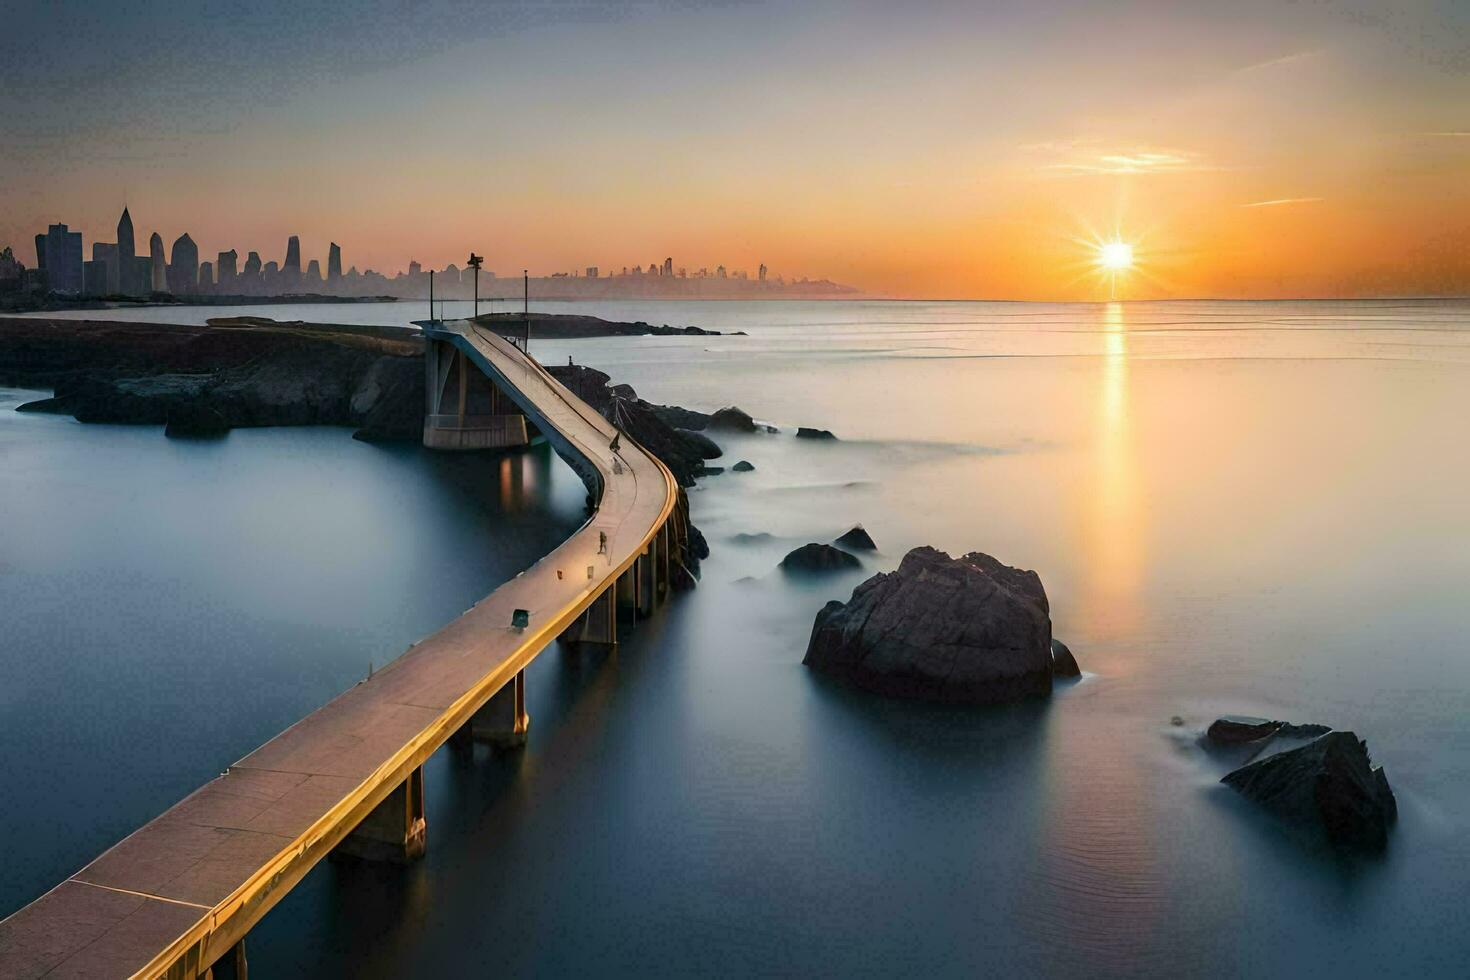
1235	507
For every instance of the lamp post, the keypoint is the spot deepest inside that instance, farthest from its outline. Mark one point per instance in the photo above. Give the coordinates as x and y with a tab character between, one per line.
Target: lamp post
474	263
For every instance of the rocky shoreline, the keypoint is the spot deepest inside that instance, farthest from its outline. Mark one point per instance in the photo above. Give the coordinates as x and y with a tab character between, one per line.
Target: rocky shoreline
569	326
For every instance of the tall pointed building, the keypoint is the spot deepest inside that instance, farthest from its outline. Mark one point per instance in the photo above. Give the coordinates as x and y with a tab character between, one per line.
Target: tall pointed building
159	270
127	266
291	271
183	271
334	264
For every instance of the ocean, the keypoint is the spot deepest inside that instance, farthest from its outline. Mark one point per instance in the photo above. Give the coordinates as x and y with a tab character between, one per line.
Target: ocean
1252	508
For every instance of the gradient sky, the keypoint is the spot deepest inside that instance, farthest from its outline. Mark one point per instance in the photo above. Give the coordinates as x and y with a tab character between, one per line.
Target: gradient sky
920	149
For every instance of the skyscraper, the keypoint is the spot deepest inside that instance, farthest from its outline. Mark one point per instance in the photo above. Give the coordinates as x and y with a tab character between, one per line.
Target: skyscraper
206	277
225	269
291	271
105	253
252	266
59	252
334	264
159	271
762	273
314	273
127	268
668	267
183	268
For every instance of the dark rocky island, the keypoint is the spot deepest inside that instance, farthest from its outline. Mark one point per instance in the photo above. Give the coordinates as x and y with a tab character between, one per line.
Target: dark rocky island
819	558
856	539
564	326
805	432
967	629
1312	777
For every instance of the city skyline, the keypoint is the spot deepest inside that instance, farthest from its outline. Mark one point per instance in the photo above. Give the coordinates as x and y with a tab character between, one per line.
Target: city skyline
938	151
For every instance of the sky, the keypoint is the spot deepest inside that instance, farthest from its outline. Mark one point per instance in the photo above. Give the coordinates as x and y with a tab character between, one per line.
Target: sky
925	150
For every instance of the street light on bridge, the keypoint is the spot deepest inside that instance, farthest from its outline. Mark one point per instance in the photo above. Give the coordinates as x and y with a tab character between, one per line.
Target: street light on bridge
475	262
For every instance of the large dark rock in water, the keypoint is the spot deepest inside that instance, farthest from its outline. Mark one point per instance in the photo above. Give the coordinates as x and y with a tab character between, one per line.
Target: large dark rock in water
707	447
965	629
857	539
1328	783
804	432
819	558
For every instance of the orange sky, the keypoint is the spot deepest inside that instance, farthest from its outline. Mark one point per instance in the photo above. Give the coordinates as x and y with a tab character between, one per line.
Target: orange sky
942	151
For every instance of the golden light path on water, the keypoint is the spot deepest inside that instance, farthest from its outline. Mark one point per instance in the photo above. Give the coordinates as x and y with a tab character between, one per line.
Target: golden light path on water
1114	527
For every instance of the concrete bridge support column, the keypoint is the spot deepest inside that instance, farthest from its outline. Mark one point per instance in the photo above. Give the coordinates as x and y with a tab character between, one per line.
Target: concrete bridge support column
395	831
231	966
598	625
502	722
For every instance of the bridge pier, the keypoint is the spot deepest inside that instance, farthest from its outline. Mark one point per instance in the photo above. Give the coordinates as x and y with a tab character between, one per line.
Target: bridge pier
598	624
502	721
464	409
396	831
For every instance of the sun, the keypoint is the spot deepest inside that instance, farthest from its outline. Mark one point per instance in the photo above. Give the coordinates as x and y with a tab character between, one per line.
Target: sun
1115	256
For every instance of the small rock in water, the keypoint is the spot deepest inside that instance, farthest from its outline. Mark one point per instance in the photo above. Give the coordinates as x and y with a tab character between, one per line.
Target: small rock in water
818	558
1063	664
805	433
1176	721
711	470
732	419
857	539
1314	777
746	537
742	467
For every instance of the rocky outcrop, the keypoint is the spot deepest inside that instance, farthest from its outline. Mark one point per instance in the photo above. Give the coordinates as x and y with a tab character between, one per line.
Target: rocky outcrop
707	447
1314	778
562	326
1063	664
744	466
967	629
857	539
805	433
819	558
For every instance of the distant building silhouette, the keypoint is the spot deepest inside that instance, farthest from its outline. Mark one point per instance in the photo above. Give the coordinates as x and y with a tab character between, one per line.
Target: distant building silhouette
158	271
334	264
252	266
291	271
127	265
105	254
183	267
762	273
592	272
94	276
720	272
414	268
225	268
59	253
314	273
206	276
669	266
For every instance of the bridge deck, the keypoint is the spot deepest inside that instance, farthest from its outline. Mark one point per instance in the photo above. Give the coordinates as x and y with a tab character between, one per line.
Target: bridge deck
210	866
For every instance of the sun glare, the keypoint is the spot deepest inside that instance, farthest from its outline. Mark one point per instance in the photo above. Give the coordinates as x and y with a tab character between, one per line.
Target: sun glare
1115	256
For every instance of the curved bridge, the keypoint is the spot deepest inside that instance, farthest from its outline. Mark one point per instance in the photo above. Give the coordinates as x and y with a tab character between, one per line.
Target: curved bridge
177	897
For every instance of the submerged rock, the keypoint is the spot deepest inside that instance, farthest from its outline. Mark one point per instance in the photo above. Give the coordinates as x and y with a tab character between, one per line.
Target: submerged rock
731	419
743	466
1328	783
806	433
857	539
1063	664
818	558
967	629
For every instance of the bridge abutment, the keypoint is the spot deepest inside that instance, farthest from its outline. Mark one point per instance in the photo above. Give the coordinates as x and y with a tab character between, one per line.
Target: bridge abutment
464	409
395	831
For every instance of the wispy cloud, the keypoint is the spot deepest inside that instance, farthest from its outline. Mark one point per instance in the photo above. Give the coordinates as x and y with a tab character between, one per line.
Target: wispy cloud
1285	59
1088	158
1277	202
1451	134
